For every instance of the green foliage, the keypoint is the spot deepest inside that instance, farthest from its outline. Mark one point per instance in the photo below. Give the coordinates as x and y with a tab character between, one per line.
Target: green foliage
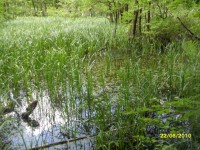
190	48
129	86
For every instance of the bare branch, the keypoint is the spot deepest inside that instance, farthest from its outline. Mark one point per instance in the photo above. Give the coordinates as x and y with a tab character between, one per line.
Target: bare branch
196	37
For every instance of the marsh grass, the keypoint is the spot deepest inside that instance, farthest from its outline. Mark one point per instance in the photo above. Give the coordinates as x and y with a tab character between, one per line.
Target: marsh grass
118	84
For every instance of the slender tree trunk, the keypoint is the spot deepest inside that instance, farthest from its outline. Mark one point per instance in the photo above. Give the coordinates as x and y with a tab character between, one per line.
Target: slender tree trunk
117	16
140	22
41	8
135	19
116	19
115	13
121	12
45	8
149	17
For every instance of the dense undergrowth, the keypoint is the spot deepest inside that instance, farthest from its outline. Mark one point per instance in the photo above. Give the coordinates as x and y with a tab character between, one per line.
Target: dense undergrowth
135	92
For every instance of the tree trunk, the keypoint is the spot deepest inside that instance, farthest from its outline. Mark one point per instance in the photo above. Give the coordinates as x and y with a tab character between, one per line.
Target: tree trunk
45	8
149	17
140	22
135	19
121	12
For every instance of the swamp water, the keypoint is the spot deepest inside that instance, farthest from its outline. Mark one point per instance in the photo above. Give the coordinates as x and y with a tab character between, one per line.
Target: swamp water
75	117
75	127
64	118
54	125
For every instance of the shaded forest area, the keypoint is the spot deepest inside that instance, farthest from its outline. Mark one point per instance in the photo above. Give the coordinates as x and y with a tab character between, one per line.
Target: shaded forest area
165	20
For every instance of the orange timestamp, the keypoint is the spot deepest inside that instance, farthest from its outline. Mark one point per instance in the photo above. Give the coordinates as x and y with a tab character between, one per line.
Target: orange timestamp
175	136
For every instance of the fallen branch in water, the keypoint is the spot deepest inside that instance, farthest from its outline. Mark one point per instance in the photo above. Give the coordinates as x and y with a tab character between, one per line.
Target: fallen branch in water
70	140
62	142
196	37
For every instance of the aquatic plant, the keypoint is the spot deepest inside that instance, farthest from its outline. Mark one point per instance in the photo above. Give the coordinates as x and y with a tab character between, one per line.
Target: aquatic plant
126	93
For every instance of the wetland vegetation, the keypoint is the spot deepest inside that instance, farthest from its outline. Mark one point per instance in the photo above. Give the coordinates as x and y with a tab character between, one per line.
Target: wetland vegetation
128	81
